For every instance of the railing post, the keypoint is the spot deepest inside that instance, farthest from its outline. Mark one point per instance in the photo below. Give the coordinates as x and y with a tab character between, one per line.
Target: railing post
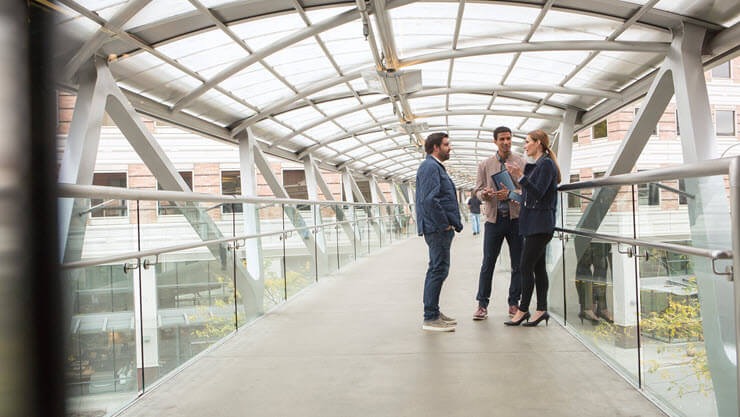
734	191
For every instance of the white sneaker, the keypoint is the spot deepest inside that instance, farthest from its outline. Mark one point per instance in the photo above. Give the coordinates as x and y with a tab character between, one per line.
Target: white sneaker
437	325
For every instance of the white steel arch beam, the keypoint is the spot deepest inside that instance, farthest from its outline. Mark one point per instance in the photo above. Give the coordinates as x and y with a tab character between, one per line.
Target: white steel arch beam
650	47
507	48
430	93
593	54
245	62
484	89
91	46
361	129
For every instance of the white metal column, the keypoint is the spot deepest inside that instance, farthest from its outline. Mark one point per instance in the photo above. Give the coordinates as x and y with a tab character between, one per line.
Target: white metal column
250	219
707	215
78	160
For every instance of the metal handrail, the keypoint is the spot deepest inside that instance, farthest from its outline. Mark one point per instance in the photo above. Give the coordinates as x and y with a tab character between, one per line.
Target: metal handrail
698	169
186	246
713	254
65	190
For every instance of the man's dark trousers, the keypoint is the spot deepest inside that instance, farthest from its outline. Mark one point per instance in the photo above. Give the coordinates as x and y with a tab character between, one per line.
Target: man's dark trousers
495	233
439	266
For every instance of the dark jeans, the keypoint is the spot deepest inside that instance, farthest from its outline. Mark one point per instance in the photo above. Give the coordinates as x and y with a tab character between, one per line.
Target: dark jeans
534	271
439	244
494	236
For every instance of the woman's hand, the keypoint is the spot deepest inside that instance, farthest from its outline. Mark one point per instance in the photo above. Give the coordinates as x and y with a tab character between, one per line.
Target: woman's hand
514	170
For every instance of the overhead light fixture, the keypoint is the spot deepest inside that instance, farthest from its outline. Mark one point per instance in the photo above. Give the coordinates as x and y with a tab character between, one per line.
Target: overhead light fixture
393	83
411	127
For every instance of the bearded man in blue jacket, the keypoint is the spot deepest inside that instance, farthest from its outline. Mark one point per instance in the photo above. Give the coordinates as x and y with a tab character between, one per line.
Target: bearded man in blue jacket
437	219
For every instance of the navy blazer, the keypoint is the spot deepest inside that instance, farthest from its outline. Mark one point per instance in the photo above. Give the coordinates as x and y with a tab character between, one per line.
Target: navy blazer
436	199
539	195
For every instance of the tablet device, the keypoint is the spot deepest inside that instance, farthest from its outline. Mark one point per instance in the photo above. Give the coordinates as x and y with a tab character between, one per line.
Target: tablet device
504	178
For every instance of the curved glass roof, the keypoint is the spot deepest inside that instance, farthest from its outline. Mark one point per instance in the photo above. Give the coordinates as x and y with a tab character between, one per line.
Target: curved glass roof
291	71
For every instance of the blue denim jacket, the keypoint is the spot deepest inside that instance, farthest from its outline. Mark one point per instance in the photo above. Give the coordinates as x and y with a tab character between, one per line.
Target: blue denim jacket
539	195
436	199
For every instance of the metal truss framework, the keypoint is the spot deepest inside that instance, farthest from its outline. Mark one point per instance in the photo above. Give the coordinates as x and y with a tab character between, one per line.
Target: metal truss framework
543	104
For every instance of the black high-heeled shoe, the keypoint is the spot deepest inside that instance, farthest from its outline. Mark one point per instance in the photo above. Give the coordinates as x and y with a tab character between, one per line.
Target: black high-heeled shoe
582	315
545	316
518	322
604	316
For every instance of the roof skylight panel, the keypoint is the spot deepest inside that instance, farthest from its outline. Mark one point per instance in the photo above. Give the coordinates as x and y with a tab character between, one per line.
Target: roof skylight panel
423	27
644	34
560	26
300	141
427	104
481	70
79	28
255	74
273	129
194	44
336	106
210	61
262	32
324	130
169	92
300	117
346	144
433	74
465	120
347	46
340	88
487	24
492	122
159	10
354	120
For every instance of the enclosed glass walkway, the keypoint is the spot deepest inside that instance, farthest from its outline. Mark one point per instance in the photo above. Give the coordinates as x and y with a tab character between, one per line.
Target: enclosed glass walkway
352	345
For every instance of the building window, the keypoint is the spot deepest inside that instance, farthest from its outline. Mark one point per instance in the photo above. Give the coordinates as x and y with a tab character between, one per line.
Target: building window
725	122
166	208
575	139
721	71
294	181
109	208
655	129
648	194
599	130
231	185
574	201
682	196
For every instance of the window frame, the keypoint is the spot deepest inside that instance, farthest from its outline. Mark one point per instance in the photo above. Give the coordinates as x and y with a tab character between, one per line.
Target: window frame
163	211
597	126
733	123
103	210
229	208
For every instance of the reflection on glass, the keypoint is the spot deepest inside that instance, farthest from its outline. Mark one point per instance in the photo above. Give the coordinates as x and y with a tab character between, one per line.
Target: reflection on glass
100	353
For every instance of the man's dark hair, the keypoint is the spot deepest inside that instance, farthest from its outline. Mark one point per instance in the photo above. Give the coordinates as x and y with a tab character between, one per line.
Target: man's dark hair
500	129
432	140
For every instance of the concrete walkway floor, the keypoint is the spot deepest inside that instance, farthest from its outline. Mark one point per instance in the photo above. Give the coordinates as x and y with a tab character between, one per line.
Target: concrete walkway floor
352	345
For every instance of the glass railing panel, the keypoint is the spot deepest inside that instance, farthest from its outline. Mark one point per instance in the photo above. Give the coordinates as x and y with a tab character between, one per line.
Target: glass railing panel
345	244
100	368
691	212
301	248
363	231
601	299
167	223
675	367
327	238
271	250
189	303
100	228
605	210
